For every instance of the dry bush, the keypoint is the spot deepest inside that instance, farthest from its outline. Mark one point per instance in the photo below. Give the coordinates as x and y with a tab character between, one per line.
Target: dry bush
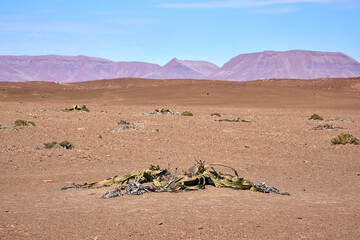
186	113
316	117
345	138
20	122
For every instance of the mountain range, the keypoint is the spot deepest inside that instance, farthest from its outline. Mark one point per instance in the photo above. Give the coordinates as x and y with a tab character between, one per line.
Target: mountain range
296	64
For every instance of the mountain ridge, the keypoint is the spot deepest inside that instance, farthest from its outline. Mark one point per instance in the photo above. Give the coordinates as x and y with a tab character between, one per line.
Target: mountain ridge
293	64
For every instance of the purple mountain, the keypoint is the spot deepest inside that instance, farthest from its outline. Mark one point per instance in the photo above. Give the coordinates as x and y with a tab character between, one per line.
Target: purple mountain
297	64
68	69
184	69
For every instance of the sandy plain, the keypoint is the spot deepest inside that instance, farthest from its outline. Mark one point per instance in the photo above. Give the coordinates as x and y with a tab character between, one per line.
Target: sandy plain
323	179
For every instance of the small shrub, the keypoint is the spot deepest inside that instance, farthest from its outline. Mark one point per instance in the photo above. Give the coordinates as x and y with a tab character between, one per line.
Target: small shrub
20	122
315	117
234	120
345	138
50	145
63	144
123	122
82	108
66	145
32	123
326	126
163	110
186	113
216	114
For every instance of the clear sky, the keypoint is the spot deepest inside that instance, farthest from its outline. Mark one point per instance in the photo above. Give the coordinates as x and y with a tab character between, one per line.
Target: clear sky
158	30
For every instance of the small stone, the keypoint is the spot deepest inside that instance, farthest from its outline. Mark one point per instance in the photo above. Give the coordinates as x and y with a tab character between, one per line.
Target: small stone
37	147
193	170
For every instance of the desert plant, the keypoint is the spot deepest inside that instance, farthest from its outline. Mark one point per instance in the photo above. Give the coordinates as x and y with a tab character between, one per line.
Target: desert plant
123	122
66	144
50	145
186	113
82	108
163	180
216	114
234	120
345	138
326	126
162	111
20	122
32	123
63	144
315	117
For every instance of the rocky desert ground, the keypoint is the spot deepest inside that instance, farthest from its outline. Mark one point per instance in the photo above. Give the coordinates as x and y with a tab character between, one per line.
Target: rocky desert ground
278	146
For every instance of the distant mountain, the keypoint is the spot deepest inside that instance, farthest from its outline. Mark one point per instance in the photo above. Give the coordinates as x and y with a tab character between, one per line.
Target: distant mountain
184	69
68	69
298	64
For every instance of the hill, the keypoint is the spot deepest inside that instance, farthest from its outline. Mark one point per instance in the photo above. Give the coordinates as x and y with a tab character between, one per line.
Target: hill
295	64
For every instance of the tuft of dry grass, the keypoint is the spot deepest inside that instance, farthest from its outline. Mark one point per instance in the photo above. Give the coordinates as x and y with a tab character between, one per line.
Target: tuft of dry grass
50	145
21	122
316	117
345	138
186	113
123	122
64	144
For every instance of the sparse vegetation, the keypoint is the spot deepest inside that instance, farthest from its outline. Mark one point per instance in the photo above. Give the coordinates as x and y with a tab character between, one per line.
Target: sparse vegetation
20	122
316	117
125	125
64	144
187	113
75	108
326	126
155	179
162	111
234	120
345	138
50	145
216	114
123	122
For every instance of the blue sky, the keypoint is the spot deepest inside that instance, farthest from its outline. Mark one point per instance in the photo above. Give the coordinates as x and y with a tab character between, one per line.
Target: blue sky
158	30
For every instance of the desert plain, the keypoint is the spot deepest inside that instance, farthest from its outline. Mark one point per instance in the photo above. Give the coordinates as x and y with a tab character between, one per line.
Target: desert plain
278	147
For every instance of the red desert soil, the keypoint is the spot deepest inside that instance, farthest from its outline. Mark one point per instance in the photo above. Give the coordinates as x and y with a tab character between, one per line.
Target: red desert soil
323	179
